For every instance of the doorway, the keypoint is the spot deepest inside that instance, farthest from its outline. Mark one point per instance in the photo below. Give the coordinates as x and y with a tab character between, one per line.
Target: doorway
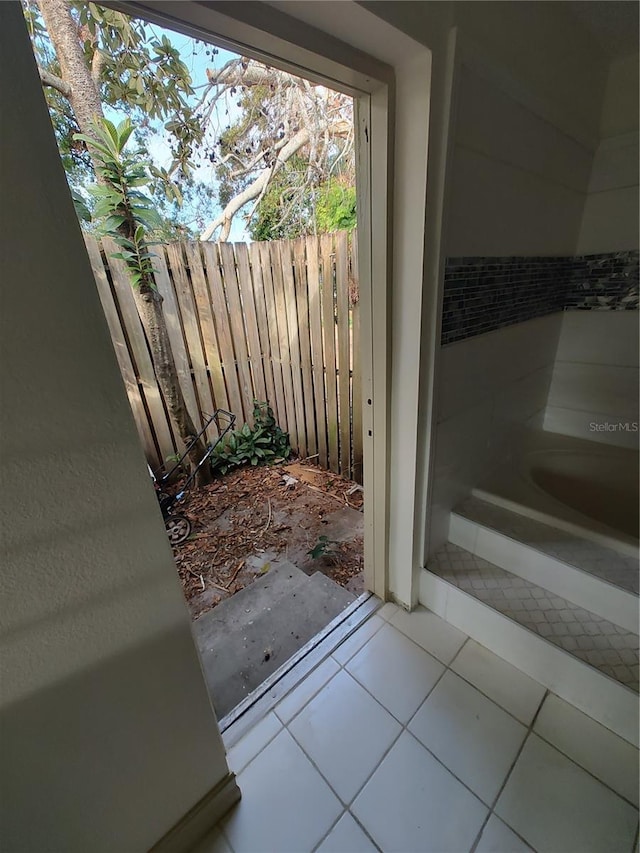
339	287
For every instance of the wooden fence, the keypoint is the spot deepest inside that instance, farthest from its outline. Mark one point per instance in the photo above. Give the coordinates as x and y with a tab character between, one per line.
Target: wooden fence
276	321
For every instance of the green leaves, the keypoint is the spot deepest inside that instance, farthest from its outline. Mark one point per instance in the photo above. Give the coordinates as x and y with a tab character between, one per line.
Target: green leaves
124	213
324	547
140	72
266	442
82	210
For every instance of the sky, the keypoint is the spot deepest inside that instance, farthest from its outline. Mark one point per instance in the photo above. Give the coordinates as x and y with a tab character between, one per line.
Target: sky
194	55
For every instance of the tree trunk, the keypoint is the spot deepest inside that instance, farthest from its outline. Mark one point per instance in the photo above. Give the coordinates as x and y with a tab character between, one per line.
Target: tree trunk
84	93
84	97
149	304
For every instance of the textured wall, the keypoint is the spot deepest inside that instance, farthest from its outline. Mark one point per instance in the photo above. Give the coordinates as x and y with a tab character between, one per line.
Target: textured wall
107	733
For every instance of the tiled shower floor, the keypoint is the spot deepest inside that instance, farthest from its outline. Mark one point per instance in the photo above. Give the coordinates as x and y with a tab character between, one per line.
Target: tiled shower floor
605	563
411	737
585	635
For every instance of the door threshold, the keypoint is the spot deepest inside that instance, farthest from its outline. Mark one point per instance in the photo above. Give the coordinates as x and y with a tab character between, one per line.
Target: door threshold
265	697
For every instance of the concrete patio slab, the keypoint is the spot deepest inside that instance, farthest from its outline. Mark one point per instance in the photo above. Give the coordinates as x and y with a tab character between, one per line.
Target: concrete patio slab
247	637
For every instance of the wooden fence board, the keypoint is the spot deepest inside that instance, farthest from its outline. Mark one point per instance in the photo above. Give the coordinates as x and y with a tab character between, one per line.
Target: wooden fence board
276	321
228	260
317	359
304	337
184	293
272	329
329	342
344	357
257	278
206	323
283	339
122	352
223	329
174	330
356	378
294	341
251	322
140	351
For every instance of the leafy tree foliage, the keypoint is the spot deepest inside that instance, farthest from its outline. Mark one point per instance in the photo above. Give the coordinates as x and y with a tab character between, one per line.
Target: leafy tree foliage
283	161
138	73
290	147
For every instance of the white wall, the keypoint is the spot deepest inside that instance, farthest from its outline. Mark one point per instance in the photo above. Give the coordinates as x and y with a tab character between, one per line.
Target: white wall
107	733
547	56
620	105
595	377
525	130
610	221
517	181
490	389
521	148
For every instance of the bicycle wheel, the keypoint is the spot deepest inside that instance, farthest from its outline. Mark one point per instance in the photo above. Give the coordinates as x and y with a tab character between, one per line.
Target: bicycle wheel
178	528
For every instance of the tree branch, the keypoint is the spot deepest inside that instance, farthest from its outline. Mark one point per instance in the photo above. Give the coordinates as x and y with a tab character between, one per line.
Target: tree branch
58	83
254	189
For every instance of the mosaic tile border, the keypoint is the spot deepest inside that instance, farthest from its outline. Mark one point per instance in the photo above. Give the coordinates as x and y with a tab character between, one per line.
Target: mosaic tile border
604	282
484	294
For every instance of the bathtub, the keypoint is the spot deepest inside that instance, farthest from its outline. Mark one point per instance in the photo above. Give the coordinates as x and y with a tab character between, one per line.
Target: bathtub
586	488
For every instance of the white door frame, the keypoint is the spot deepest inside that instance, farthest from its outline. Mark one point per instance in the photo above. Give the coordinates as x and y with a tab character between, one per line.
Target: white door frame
264	33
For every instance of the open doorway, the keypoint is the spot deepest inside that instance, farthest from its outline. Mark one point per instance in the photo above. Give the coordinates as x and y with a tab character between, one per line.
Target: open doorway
268	330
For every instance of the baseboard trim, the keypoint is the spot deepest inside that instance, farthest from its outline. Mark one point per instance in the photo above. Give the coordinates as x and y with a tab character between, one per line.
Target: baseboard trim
201	818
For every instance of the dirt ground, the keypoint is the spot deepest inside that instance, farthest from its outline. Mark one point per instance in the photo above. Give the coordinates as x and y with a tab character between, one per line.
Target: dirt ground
250	518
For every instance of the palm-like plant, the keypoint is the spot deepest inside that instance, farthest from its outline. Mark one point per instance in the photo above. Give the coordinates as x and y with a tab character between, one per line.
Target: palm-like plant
126	214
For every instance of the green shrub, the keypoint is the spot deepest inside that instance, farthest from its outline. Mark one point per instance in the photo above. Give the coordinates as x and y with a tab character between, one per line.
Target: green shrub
265	443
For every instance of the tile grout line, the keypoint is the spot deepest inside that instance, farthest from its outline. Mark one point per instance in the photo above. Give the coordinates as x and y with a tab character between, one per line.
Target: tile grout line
405	728
506	779
263	747
345	811
533	546
529	727
329	654
285	726
581	766
535	717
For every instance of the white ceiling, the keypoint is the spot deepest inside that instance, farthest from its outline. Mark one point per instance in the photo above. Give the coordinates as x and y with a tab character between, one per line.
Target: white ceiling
614	23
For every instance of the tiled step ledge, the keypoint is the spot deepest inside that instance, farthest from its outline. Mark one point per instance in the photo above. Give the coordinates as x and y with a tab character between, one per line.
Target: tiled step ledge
584	634
606	700
528	561
598	535
609	564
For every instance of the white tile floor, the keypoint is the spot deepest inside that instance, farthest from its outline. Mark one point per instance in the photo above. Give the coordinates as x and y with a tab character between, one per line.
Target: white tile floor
411	738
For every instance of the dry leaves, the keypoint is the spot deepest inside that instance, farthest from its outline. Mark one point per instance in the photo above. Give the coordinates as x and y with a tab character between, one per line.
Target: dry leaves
250	512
